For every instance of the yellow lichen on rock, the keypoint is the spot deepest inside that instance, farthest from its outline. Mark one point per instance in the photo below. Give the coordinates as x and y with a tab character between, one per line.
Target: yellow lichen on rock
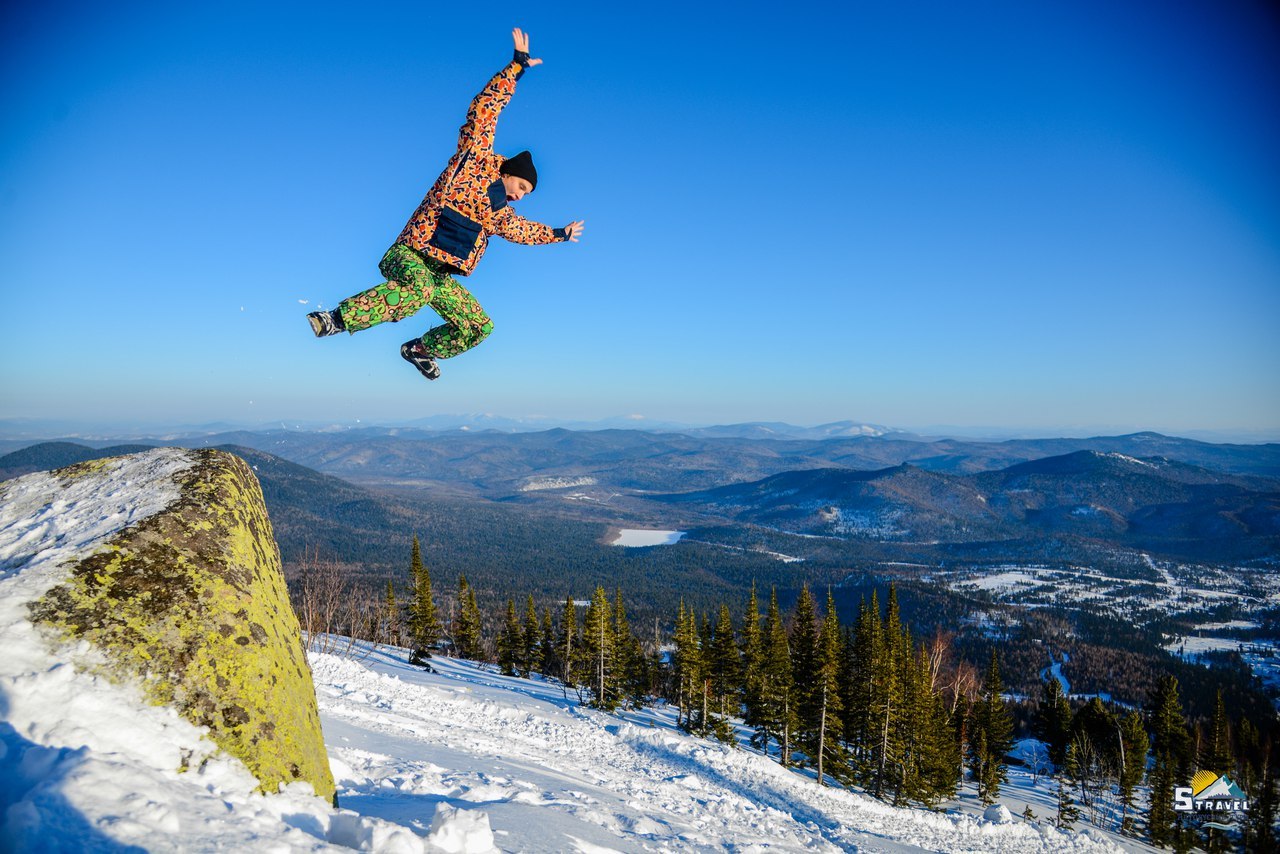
193	601
84	469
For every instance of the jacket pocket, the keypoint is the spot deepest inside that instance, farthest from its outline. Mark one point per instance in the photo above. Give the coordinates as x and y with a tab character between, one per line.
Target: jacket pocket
455	234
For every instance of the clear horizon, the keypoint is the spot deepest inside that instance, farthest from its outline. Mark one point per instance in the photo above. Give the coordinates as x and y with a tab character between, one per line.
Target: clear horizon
1052	217
40	430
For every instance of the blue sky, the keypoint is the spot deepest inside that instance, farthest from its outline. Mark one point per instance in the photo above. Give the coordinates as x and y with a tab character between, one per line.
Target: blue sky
1055	217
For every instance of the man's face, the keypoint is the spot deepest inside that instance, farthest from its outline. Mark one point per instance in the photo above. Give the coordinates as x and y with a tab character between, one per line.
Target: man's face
517	188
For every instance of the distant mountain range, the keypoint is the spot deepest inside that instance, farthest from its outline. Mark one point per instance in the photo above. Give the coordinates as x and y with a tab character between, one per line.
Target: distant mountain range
497	464
18	432
780	430
749	430
491	462
1181	498
1153	504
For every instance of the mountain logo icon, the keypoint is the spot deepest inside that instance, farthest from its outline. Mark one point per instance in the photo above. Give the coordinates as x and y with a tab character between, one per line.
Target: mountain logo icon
1206	785
1210	792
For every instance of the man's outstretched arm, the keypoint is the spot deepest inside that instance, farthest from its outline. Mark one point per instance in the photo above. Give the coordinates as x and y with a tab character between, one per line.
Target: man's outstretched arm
517	229
482	118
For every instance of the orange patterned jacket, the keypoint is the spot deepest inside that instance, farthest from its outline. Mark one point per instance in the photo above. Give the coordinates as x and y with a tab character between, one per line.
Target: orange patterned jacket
468	204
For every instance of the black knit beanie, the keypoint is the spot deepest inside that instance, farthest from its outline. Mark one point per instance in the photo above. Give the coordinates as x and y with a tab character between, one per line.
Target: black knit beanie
522	167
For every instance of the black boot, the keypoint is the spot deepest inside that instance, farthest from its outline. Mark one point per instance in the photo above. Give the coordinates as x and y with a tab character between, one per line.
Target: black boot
326	323
416	354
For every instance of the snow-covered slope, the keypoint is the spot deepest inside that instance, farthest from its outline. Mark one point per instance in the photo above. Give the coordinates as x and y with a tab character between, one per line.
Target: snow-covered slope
457	760
553	776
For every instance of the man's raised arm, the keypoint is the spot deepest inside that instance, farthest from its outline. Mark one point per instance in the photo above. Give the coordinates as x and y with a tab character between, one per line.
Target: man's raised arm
482	118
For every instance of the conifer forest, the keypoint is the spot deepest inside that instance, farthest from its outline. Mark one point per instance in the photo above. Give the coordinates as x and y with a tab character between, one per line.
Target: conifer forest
867	703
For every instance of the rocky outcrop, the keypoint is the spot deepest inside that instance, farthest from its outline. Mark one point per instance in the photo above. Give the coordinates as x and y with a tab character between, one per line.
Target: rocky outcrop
192	602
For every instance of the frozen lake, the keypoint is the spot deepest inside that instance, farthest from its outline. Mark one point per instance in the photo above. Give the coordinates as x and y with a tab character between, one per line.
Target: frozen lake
634	538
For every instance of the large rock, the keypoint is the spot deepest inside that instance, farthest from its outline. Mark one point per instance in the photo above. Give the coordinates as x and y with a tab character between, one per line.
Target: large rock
192	601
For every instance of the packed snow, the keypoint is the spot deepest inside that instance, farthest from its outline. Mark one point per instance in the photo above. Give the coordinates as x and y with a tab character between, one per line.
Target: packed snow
456	759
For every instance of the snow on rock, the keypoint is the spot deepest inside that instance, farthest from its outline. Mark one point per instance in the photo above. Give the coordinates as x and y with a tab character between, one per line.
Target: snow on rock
190	603
88	764
184	598
53	517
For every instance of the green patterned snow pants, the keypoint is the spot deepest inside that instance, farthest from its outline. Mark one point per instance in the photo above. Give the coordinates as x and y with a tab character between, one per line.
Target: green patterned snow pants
415	281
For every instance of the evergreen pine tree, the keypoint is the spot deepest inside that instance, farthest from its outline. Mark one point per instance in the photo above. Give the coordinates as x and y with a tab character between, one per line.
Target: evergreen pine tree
962	730
1133	736
993	731
859	713
910	723
1170	768
1096	733
1163	825
777	707
599	652
630	661
1250	753
939	762
1052	722
804	672
1068	813
424	621
473	610
1264	807
569	644
509	642
849	693
1216	755
752	659
705	635
831	757
913	725
530	638
689	667
725	672
549	660
467	633
884	671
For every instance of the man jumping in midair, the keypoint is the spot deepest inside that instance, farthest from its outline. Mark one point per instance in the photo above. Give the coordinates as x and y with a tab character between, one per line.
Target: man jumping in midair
448	233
